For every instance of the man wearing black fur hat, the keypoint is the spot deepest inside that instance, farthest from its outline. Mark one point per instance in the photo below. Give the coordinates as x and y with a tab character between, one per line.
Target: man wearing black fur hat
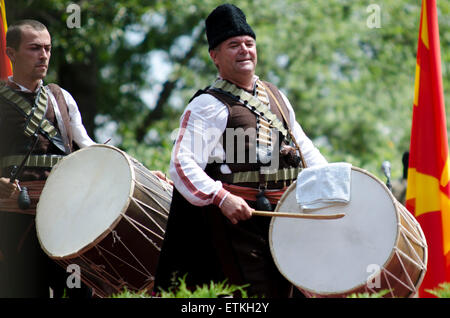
238	149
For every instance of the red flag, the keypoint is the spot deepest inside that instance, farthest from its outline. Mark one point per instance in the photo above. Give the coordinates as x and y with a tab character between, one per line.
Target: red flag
428	191
5	64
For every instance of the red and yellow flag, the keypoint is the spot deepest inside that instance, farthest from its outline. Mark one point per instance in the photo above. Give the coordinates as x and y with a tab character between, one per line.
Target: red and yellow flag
428	191
5	64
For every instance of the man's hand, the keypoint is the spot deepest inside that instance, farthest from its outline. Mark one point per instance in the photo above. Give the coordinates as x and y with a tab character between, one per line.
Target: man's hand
162	176
236	209
7	189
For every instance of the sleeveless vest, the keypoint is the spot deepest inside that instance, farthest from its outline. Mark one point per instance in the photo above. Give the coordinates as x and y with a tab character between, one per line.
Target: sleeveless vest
243	124
13	141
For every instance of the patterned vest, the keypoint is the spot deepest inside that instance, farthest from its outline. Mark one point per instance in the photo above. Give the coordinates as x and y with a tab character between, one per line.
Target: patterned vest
242	125
13	141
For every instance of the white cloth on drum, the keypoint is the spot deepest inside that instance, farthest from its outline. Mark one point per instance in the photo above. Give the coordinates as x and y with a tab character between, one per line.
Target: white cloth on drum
323	185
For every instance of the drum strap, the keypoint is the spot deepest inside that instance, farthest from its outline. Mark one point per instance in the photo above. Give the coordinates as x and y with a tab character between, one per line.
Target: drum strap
297	146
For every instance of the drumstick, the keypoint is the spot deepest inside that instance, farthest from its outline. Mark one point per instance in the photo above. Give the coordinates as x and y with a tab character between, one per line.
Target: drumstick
300	215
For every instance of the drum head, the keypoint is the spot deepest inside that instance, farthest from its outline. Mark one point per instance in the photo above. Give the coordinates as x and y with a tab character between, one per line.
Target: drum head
335	256
83	199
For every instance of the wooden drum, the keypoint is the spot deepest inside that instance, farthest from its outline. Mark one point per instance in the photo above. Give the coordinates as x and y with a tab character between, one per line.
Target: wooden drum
105	212
377	245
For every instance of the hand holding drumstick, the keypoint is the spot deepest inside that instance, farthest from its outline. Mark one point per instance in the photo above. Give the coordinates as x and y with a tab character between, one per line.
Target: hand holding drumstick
236	209
7	189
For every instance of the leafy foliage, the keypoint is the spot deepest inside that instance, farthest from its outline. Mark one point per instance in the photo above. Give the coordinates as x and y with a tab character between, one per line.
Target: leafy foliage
214	290
222	289
180	290
443	291
379	294
131	294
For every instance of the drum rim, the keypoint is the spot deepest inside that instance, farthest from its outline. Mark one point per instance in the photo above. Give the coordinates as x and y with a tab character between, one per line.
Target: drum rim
110	228
388	259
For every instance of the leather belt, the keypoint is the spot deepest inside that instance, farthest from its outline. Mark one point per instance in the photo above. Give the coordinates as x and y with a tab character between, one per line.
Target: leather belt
254	176
44	161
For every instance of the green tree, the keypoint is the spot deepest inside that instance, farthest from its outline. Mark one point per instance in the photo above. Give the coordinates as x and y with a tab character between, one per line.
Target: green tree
133	65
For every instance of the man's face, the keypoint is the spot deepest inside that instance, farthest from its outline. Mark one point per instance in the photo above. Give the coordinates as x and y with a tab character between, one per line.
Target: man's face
30	60
235	57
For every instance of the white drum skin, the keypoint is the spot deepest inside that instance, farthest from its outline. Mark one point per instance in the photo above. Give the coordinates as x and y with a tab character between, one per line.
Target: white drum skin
104	211
365	251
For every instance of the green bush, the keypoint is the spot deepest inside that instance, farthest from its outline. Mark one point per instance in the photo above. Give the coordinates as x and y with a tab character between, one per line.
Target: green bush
443	291
131	294
214	290
379	294
180	290
222	289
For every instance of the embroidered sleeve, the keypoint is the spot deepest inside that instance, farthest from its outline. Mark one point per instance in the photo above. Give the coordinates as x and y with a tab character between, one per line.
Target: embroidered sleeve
201	127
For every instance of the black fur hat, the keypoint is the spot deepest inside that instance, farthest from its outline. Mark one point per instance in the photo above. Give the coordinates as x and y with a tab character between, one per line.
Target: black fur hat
224	22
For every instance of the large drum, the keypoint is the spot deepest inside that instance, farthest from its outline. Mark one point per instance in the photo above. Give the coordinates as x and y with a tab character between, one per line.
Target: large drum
377	245
104	212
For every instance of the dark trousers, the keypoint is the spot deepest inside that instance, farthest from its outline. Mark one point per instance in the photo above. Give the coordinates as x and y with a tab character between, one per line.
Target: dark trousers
250	250
202	243
25	270
22	263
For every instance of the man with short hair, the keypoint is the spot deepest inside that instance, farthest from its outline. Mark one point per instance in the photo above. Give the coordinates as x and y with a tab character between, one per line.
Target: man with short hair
39	125
211	234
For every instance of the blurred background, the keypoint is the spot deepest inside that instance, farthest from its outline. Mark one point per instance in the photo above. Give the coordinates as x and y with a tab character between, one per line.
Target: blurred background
348	68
